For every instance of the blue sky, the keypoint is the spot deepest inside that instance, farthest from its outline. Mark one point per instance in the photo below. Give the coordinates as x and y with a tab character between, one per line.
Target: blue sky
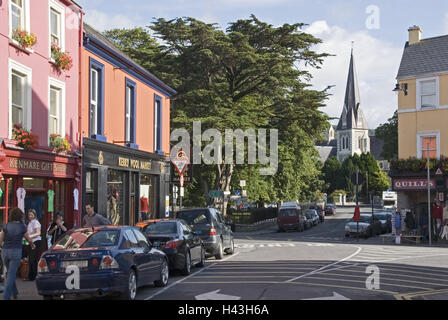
378	27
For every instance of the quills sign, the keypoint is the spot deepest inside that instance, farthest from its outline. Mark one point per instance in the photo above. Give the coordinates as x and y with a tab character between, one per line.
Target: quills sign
413	184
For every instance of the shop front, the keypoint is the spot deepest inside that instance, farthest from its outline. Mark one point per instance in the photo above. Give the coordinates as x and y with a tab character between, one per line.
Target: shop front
412	194
39	180
123	184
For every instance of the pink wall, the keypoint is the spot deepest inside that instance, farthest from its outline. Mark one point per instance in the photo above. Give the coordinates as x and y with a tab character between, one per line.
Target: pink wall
42	68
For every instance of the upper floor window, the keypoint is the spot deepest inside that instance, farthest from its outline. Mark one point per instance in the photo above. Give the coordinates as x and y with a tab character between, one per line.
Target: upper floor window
19	15
20	96
96	99
427	93
428	144
130	111
57	108
57	25
157	124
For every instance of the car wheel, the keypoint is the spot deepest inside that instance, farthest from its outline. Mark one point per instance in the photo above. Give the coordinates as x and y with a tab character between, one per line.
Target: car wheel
164	273
131	290
231	250
187	267
220	253
202	262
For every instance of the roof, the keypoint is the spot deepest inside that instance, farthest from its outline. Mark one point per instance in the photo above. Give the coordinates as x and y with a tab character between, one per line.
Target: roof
326	152
107	44
352	116
425	57
376	147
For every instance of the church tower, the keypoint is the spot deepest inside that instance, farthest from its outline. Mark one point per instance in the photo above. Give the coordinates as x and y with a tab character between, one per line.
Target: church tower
352	132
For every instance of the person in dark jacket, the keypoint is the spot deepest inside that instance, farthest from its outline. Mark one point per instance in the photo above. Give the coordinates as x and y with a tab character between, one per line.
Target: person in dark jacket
57	228
93	219
11	238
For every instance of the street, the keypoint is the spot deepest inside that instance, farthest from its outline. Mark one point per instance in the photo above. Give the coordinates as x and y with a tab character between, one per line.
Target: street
319	263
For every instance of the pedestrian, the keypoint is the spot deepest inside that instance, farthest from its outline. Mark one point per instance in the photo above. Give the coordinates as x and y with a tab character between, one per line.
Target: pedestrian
93	219
34	230
57	228
397	226
11	238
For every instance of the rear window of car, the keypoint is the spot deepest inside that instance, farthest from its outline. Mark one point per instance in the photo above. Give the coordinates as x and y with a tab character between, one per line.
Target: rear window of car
194	216
287	213
161	228
88	239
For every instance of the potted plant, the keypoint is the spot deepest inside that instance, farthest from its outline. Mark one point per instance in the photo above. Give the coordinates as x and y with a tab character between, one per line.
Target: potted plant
61	59
58	143
25	39
25	139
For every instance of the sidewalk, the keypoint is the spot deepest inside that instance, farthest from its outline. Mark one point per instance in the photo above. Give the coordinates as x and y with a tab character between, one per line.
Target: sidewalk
27	290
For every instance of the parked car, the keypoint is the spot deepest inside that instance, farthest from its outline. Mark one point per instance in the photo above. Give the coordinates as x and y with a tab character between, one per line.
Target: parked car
330	209
110	260
183	247
213	229
308	222
320	211
290	217
386	221
368	226
312	215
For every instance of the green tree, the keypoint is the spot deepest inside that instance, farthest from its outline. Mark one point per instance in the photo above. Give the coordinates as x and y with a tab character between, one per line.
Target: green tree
388	132
332	175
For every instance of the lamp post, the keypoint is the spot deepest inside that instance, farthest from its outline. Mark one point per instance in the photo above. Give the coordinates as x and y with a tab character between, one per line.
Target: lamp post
429	191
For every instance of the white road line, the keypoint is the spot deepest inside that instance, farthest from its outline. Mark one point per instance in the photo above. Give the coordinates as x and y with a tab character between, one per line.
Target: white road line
324	267
191	275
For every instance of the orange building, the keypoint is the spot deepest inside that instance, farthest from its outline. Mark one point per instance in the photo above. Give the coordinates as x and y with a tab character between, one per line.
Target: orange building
126	134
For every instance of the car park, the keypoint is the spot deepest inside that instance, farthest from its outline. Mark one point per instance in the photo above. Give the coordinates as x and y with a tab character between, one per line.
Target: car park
183	247
368	226
386	221
213	229
330	209
110	260
290	217
312	215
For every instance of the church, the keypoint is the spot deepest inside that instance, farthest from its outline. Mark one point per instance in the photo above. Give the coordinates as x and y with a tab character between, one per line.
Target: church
351	135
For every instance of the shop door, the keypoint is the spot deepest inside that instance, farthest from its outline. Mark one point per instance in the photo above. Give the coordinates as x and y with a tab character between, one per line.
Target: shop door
36	201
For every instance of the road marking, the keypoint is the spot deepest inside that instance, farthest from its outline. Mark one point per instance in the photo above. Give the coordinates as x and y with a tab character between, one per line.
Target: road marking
409	296
191	275
324	267
215	295
335	296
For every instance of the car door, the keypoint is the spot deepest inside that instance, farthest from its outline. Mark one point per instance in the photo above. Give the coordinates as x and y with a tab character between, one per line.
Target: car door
225	228
193	241
137	255
149	259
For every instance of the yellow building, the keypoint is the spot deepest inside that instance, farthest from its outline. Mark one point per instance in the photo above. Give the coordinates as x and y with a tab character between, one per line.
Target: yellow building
422	87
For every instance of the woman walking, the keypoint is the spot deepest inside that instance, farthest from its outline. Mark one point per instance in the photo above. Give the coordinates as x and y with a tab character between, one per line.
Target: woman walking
11	237
34	230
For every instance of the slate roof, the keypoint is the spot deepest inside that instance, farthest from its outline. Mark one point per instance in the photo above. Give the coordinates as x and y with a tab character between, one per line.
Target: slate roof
352	112
425	57
376	148
326	152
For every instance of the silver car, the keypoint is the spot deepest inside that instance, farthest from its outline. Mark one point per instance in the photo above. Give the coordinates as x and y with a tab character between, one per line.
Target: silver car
367	227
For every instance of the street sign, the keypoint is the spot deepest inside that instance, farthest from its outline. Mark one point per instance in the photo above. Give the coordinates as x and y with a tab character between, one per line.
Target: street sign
181	161
439	172
237	192
216	194
242	183
360	178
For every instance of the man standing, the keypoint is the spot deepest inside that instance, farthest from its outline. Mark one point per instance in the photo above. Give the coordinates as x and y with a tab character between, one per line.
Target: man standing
92	219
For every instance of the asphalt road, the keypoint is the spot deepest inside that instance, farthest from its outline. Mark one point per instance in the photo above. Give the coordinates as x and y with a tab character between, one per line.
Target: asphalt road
319	263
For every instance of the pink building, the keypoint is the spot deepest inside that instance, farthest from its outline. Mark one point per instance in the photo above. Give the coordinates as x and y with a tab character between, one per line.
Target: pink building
39	92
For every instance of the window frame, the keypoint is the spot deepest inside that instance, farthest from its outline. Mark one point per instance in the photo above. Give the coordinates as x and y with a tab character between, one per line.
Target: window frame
59	85
158	126
131	123
100	112
53	5
25	16
419	93
15	67
427	134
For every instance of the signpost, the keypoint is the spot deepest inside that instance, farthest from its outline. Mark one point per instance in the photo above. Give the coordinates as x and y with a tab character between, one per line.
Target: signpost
180	163
429	191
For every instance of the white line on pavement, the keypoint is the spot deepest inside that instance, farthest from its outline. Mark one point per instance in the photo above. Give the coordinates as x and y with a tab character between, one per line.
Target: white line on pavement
191	275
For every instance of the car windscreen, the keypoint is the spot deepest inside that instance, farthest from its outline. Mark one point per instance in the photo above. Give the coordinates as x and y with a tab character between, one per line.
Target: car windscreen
287	213
194	216
382	216
365	219
161	228
88	239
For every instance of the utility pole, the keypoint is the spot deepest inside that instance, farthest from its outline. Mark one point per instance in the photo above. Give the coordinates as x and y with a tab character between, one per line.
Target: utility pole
429	192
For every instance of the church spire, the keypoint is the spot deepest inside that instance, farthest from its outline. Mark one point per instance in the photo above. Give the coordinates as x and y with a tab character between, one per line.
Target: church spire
352	116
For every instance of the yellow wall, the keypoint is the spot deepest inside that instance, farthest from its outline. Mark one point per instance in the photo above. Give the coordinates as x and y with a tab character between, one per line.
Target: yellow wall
410	123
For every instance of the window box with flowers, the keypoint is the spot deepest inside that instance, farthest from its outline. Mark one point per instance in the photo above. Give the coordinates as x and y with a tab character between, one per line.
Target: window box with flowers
25	139
61	59
59	144
23	40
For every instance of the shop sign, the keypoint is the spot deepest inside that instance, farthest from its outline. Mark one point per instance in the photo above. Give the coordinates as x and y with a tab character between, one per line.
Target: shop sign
37	165
412	184
134	164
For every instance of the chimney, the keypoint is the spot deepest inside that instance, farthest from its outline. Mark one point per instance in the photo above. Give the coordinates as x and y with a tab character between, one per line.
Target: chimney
414	34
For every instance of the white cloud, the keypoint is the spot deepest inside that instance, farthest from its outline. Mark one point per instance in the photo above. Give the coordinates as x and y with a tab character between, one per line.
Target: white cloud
377	62
102	21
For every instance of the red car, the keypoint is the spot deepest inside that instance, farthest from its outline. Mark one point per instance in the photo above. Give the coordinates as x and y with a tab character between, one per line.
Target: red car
290	218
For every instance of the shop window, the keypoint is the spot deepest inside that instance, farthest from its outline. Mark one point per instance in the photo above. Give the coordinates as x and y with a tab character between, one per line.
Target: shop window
116	182
33	183
91	194
147	197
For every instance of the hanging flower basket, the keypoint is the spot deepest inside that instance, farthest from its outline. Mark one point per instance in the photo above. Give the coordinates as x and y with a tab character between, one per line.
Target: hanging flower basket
61	59
25	39
25	139
58	143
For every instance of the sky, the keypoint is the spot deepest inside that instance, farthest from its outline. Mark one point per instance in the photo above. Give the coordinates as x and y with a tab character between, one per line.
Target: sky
377	28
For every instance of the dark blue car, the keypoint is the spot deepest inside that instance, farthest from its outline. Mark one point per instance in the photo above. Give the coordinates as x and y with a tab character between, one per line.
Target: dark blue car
99	261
